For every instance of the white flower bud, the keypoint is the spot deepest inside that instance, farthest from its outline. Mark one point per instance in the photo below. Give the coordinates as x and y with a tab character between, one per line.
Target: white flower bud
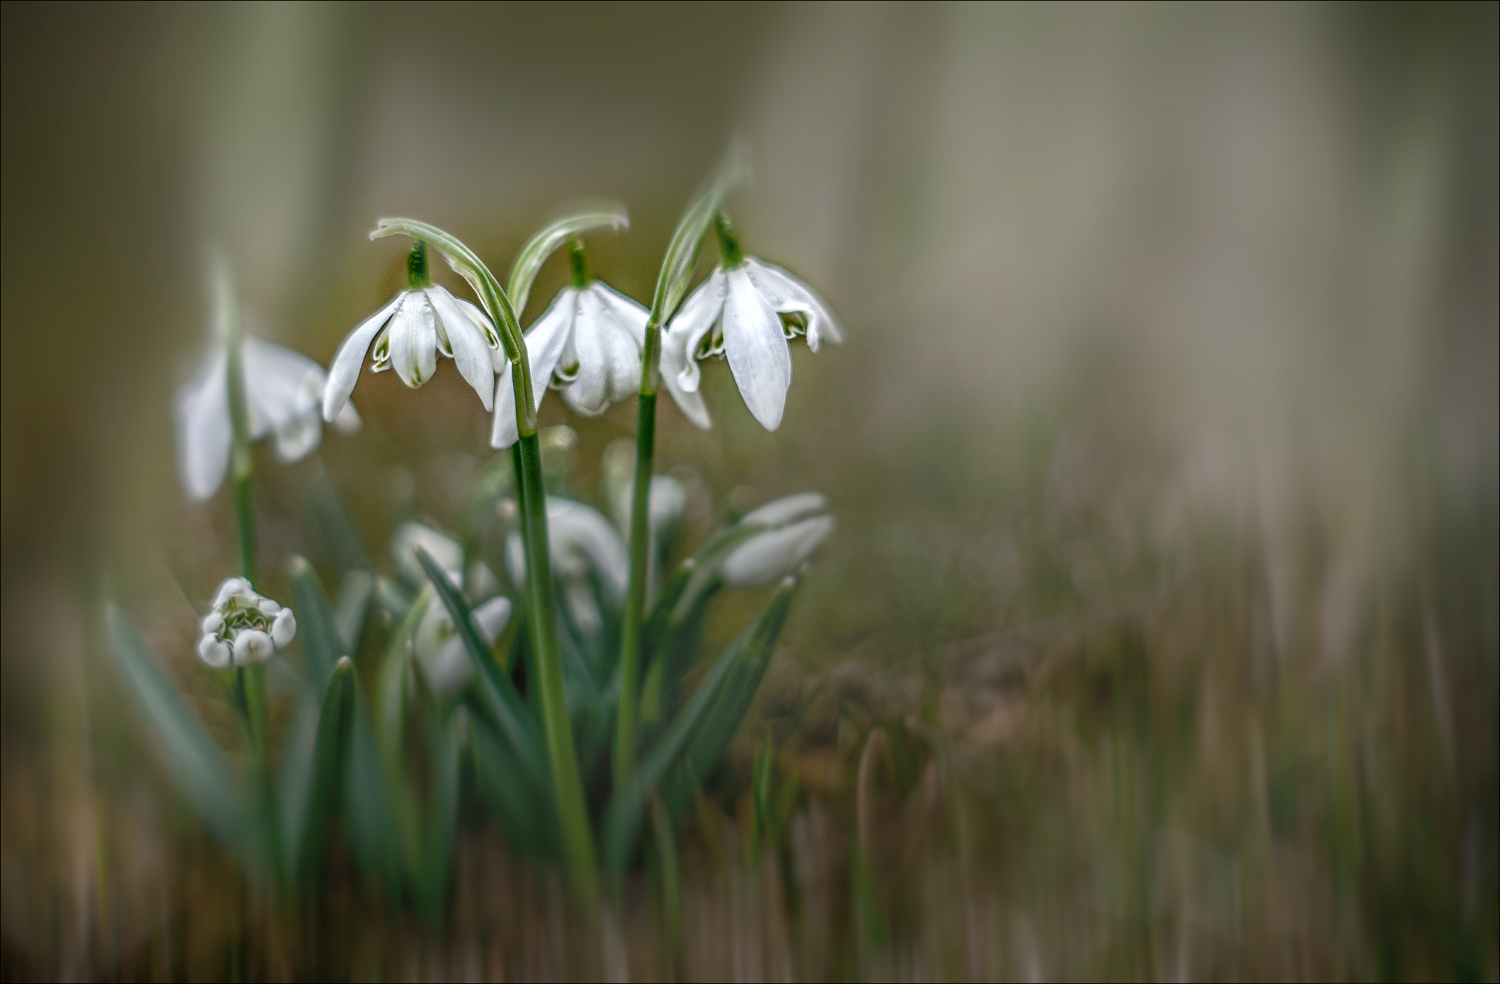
213	652
409	536
212	623
770	556
231	587
252	646
283	628
268	608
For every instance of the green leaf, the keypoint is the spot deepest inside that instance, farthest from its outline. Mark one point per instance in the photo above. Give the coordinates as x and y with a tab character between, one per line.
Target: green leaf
507	794
699	733
373	838
752	651
310	775
317	626
199	769
496	695
687	241
446	742
351	607
529	261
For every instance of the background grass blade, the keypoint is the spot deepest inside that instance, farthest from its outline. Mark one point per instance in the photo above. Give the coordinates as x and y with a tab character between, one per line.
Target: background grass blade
752	655
309	792
317	626
200	770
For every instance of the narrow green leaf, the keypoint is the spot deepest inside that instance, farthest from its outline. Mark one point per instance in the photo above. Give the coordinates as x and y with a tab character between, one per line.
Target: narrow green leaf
202	774
394	685
687	241
508	795
351	607
626	813
529	261
308	792
753	652
368	813
496	694
317	626
446	742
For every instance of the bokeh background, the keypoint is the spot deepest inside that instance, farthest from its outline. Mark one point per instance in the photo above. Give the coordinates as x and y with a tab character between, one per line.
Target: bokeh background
1164	446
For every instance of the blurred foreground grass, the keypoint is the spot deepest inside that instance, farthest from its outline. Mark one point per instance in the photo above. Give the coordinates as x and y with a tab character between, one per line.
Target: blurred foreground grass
1028	742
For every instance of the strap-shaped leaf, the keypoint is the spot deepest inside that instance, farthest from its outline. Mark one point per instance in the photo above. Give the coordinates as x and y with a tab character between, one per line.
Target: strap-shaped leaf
350	608
753	654
373	838
317	625
497	696
446	742
198	767
504	790
677	266
311	770
704	727
540	246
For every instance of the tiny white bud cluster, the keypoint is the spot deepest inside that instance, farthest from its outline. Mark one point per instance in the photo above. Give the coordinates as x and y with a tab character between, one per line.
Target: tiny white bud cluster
243	627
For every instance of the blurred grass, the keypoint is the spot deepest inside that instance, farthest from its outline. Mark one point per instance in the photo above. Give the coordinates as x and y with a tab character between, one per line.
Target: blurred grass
1060	700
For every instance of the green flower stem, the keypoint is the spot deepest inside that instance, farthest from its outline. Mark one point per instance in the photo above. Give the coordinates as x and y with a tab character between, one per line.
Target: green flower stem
578	843
671	287
635	598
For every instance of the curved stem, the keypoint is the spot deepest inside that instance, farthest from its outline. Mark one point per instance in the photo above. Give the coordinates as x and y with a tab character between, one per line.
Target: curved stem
578	843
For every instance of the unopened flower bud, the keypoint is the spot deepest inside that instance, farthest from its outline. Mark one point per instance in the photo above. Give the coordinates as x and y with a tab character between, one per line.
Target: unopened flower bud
283	628
231	587
213	652
252	646
212	623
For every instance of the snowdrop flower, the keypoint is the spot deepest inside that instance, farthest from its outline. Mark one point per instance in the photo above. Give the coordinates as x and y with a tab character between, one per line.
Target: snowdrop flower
668	495
587	344
582	543
440	649
410	536
283	391
736	313
413	328
794	527
243	627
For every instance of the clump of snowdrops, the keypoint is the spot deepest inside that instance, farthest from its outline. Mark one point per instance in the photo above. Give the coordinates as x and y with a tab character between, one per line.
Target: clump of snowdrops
554	674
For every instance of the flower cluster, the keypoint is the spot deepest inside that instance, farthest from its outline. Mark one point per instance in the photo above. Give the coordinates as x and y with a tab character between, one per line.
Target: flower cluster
244	627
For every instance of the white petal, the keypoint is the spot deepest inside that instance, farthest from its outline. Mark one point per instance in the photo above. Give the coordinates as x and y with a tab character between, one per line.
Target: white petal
545	341
449	669
230	587
757	350
779	512
482	320
347	421
284	628
608	347
696	316
577	532
470	348
351	355
414	341
789	293
491	618
213	652
204	433
408	537
771	556
433	631
212	623
252	646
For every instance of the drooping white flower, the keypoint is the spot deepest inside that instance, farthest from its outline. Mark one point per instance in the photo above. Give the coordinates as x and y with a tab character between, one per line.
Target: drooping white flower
583	543
446	552
736	313
586	345
283	395
409	332
440	649
243	627
793	528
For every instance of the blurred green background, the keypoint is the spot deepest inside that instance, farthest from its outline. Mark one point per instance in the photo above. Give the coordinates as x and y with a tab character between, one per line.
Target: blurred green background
1164	447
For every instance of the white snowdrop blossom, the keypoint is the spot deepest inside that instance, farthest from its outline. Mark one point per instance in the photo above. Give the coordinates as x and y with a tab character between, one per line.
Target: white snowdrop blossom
736	313
583	543
283	393
243	628
440	649
447	554
586	345
668	495
793	528
409	332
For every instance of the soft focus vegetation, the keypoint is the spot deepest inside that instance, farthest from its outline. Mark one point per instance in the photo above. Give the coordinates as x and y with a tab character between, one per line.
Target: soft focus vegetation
1160	634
